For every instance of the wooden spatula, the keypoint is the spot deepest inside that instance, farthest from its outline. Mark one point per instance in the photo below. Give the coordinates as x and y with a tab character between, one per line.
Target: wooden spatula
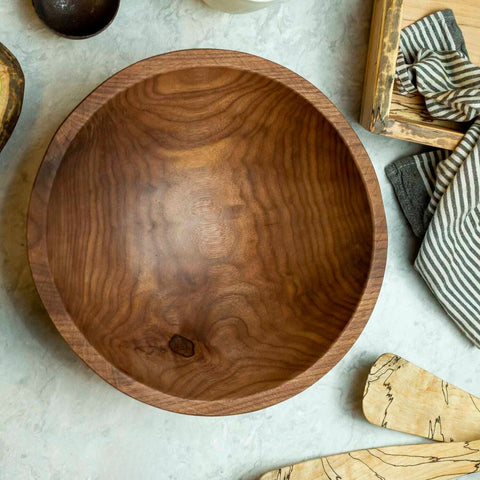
401	396
412	462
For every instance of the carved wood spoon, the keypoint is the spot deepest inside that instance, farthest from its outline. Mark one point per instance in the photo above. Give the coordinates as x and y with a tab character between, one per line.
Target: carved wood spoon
401	396
412	462
77	18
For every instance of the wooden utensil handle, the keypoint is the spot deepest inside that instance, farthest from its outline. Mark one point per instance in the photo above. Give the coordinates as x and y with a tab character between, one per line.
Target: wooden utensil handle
401	396
413	462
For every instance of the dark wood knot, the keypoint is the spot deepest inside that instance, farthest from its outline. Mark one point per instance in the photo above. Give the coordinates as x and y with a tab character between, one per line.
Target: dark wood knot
182	346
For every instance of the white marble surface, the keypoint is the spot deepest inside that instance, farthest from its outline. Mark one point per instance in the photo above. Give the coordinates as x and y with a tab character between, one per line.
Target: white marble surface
58	420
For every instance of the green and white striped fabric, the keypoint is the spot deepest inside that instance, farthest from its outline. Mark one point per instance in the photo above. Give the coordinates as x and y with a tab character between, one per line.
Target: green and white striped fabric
439	191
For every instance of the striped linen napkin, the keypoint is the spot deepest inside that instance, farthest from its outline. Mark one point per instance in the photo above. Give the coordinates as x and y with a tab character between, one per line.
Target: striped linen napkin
439	191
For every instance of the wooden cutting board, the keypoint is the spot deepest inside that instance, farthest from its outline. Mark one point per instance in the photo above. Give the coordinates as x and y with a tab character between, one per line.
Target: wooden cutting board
12	85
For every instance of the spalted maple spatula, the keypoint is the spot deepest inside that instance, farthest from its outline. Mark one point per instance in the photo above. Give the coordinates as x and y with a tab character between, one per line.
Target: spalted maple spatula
413	462
401	396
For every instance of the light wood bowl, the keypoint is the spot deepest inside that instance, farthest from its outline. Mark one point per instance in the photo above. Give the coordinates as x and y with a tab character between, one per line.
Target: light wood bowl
206	231
12	87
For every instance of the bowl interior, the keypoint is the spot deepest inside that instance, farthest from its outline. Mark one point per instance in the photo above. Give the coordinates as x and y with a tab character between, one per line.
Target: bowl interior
209	233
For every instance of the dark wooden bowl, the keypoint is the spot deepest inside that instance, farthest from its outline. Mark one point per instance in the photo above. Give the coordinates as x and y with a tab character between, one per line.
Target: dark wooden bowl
77	18
207	232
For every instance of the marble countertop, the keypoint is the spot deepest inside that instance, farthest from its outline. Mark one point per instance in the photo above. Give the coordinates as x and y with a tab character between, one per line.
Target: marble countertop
58	419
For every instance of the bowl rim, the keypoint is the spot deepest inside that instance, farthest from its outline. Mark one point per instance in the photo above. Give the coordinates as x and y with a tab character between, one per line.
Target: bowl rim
38	215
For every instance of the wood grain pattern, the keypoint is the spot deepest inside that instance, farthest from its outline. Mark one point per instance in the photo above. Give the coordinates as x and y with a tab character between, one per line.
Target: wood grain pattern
432	135
12	85
406	117
207	233
411	108
401	396
412	462
381	59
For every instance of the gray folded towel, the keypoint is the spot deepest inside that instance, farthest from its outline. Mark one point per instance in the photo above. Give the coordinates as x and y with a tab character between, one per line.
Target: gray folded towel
439	192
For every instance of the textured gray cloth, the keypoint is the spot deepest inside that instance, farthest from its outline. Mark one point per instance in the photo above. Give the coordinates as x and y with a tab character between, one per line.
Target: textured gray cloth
439	192
413	192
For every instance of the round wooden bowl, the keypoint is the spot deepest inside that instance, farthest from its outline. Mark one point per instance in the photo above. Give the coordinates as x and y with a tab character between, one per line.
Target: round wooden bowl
77	18
207	232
